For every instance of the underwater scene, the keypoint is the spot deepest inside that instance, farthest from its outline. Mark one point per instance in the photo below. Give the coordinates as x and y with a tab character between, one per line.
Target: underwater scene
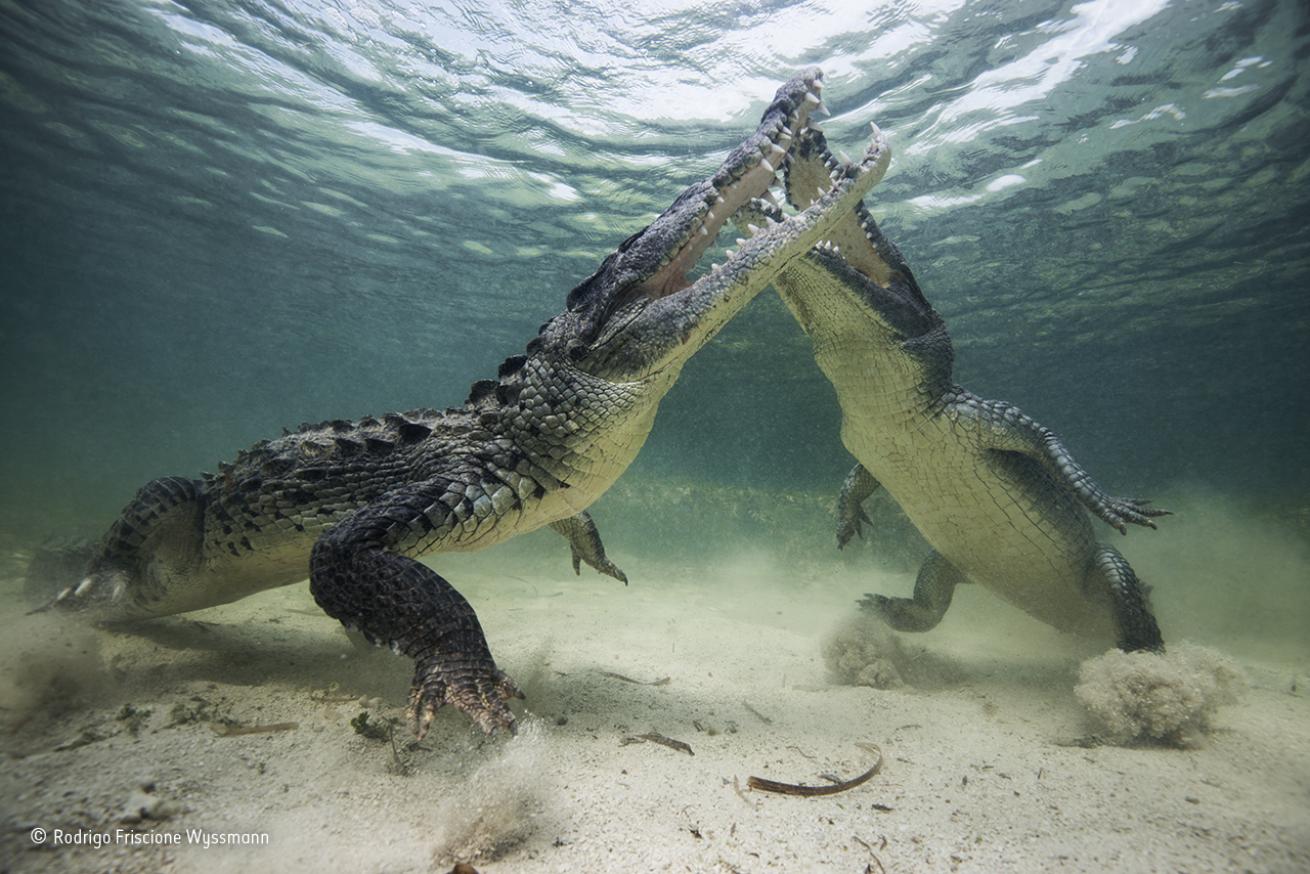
678	436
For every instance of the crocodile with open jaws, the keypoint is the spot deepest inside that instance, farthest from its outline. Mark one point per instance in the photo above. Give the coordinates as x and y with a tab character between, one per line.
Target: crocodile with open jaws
353	503
996	495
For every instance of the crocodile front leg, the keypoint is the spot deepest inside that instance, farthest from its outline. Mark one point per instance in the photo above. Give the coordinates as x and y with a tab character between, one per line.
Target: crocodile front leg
359	575
1006	429
933	590
584	542
851	518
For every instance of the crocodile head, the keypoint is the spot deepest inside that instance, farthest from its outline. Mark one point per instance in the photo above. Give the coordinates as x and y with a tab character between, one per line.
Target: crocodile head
621	324
854	294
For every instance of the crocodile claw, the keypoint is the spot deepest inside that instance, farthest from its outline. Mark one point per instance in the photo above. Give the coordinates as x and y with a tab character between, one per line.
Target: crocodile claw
876	604
480	692
852	525
1118	512
606	567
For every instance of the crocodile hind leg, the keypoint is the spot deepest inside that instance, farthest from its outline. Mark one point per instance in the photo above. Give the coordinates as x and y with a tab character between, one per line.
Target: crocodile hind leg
149	551
932	595
1137	629
360	576
584	541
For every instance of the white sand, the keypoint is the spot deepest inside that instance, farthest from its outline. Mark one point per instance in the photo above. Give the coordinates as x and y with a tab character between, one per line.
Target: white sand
978	775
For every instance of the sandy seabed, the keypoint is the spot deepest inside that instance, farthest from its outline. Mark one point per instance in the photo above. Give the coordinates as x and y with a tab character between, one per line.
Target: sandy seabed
988	764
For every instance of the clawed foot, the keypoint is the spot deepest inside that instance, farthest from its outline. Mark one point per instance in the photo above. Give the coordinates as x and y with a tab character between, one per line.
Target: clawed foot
1120	511
850	525
604	566
876	604
480	690
99	589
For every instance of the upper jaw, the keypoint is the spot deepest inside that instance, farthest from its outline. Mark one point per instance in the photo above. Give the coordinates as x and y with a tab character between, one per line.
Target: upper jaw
855	253
660	258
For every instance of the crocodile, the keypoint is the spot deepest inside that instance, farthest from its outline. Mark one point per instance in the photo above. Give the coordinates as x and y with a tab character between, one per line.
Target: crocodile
997	496
352	504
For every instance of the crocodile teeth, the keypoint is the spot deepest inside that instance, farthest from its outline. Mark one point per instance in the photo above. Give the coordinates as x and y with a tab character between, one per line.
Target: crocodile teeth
752	228
822	110
730	253
764	162
740	241
813	99
846	159
704	231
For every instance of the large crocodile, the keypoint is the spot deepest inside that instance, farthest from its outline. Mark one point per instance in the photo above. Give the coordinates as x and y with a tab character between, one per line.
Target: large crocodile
352	503
996	495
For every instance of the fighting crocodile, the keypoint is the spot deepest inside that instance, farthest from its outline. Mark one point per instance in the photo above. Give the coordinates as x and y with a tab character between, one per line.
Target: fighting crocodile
353	503
996	495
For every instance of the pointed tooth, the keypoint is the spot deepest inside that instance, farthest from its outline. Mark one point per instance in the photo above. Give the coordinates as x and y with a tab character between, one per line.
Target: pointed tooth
730	253
786	131
718	199
822	110
777	152
741	241
704	231
846	159
813	99
754	229
764	162
771	199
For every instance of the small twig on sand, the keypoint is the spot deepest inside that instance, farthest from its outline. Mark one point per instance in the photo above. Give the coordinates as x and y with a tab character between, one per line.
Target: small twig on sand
736	787
655	737
766	720
796	789
223	729
868	869
662	681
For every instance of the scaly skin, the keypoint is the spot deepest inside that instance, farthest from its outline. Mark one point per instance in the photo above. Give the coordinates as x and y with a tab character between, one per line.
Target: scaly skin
997	496
354	503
